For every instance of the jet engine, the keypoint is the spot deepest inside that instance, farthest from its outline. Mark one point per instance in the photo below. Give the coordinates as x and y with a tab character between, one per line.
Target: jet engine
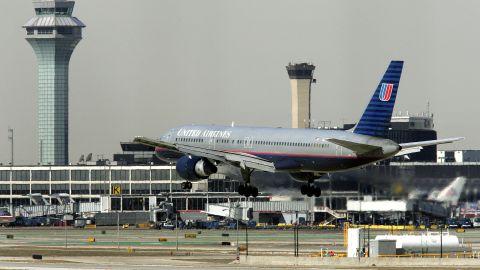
194	168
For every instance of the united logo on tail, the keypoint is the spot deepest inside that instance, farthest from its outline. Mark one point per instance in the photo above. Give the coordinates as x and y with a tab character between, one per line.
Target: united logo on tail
386	91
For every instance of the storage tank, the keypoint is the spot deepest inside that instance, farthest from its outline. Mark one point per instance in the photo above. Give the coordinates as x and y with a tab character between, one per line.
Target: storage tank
429	242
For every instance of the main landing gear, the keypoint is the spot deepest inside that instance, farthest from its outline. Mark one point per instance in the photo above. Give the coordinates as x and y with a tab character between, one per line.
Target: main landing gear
310	190
186	185
247	189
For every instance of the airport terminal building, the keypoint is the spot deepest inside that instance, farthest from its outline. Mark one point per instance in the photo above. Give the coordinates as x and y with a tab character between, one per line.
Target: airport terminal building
89	183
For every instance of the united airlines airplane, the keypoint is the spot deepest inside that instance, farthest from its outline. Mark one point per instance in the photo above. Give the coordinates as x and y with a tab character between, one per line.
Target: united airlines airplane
306	154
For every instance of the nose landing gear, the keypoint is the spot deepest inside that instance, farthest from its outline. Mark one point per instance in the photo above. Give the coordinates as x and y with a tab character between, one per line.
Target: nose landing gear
247	189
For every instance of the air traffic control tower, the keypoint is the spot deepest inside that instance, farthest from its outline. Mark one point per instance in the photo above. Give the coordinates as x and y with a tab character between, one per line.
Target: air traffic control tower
53	33
301	78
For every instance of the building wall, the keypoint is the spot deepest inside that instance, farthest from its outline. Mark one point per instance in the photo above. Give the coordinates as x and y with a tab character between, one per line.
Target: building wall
84	183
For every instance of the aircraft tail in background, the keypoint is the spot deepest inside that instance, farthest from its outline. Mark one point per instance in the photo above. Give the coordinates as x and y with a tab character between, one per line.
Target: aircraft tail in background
451	193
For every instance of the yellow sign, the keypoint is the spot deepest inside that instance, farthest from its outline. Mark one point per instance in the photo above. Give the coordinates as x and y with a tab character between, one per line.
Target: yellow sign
116	190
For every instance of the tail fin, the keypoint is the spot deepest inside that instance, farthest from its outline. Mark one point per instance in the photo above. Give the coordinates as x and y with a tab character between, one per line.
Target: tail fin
376	118
452	192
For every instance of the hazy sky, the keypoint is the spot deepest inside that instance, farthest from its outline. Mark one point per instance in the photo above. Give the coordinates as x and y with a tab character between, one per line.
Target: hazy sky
147	65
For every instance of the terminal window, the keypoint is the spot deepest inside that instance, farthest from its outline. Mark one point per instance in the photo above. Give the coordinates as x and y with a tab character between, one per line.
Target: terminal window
140	175
40	175
60	175
80	175
5	189
22	189
20	176
4	175
119	175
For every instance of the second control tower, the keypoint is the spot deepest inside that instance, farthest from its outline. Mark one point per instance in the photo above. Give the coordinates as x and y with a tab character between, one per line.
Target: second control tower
301	78
53	34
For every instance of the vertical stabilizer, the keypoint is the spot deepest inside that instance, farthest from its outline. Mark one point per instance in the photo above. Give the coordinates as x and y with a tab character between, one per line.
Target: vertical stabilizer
375	120
452	192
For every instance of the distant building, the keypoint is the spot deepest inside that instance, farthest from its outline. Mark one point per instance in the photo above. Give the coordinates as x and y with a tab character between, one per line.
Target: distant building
406	128
53	34
137	154
458	156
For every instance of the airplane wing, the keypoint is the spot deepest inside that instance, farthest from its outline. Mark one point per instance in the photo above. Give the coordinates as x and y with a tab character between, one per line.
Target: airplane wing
236	158
154	143
413	147
359	148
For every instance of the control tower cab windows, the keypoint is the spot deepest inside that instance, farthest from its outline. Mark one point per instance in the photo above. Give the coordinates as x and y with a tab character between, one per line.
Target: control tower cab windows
64	30
45	31
54	11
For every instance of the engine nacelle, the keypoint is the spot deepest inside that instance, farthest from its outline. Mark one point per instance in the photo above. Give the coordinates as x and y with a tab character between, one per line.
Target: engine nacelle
195	168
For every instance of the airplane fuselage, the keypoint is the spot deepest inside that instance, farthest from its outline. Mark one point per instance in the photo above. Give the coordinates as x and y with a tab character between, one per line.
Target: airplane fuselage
292	150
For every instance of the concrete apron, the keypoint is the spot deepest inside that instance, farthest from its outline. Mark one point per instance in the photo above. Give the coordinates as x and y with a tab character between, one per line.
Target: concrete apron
337	261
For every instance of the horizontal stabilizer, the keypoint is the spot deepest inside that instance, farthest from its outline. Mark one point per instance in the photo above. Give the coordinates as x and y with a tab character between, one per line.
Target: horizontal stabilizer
408	151
359	148
428	143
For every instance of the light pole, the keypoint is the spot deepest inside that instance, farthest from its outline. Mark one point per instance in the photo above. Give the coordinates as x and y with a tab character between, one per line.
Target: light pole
171	199
236	216
118	229
176	229
10	137
441	242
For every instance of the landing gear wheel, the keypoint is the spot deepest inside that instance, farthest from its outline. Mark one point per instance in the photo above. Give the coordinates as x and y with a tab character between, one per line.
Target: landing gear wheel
304	189
241	190
310	190
254	192
247	190
189	185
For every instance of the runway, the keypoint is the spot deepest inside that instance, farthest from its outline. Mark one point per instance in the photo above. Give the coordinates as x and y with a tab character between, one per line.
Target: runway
141	249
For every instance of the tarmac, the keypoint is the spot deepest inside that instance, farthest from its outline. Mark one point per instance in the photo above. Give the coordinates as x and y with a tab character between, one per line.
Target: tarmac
213	249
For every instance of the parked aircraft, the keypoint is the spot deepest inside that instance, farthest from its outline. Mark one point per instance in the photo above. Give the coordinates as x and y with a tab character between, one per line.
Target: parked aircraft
448	195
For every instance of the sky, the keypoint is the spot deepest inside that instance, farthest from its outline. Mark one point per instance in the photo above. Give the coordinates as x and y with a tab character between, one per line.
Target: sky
145	66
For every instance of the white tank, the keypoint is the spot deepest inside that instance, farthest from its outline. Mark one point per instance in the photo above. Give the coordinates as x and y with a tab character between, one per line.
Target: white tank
427	243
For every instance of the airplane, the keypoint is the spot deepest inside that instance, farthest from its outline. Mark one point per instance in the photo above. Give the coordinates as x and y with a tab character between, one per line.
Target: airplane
448	195
306	154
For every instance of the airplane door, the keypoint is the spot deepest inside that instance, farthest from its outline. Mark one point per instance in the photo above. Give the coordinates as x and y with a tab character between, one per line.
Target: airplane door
248	142
211	143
